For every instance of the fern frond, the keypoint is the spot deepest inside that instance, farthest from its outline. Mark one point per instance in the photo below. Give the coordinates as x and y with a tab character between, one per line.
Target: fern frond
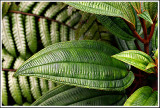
51	84
54	32
35	89
90	33
39	8
43	85
84	27
31	34
8	59
18	33
14	88
53	10
74	19
62	16
63	33
44	32
7	38
23	82
71	34
4	89
26	6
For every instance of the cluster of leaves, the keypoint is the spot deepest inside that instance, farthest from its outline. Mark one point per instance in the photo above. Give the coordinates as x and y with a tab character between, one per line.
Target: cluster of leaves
88	70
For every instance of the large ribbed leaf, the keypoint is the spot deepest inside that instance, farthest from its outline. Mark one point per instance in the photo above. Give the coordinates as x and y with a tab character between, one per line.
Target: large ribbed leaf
136	58
31	35
116	26
155	38
81	63
116	9
44	32
151	7
25	6
7	38
4	89
23	82
63	95
136	6
51	84
18	33
144	96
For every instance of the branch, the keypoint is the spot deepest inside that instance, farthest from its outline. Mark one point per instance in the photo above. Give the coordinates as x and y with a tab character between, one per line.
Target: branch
13	70
144	27
152	29
134	32
19	12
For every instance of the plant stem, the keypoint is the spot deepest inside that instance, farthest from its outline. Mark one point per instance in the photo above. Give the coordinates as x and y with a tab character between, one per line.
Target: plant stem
13	70
134	32
144	28
19	12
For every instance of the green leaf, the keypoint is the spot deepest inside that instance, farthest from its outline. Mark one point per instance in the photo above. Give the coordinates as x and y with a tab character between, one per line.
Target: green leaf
26	104
54	32
136	58
43	85
23	82
80	63
51	84
155	38
8	59
156	54
7	38
44	32
144	96
53	10
116	26
78	97
31	34
39	8
116	9
18	33
136	6
150	65
5	8
145	15
4	89
14	88
151	7
26	6
35	88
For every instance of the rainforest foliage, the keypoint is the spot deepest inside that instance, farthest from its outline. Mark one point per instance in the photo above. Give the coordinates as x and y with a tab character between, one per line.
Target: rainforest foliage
79	54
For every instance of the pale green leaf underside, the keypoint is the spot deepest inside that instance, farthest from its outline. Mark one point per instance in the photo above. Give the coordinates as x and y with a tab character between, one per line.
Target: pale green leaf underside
77	96
144	96
117	9
145	15
7	38
4	89
136	58
82	63
14	88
